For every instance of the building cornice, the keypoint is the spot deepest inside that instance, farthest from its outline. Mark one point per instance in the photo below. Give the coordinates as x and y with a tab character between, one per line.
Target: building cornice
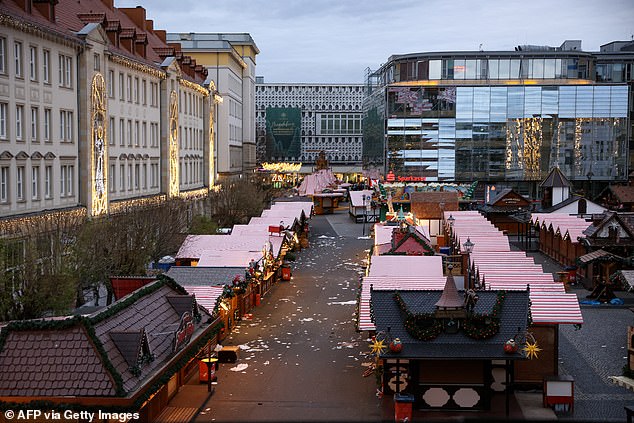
137	66
38	30
192	85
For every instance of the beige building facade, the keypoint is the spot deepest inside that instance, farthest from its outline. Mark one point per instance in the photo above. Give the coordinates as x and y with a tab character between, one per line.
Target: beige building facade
230	60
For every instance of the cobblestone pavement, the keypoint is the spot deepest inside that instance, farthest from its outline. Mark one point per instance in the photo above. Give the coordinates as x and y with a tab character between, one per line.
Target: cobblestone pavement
592	354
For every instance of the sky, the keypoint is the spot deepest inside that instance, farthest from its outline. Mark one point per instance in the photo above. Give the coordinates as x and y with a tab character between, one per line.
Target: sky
335	41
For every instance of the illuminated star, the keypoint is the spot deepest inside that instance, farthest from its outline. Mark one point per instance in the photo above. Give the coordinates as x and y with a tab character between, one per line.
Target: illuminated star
377	347
531	350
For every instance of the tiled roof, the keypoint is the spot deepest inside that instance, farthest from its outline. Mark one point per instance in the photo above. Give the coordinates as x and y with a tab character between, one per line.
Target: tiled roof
52	363
624	194
513	316
204	276
61	359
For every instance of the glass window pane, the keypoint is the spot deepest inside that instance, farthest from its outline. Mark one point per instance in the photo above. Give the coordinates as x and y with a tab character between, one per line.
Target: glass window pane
435	69
464	103
471	69
538	68
504	68
532	102
515	69
549	68
567	100
459	69
493	68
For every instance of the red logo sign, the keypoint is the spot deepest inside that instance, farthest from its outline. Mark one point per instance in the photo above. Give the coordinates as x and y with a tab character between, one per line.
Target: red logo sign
390	177
185	331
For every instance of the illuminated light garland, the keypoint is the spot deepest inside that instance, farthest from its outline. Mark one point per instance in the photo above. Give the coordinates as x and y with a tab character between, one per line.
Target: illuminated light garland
17	225
198	193
422	326
173	145
282	167
138	66
99	147
191	85
125	205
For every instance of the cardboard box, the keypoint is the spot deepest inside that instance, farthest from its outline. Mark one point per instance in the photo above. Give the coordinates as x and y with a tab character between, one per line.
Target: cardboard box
228	354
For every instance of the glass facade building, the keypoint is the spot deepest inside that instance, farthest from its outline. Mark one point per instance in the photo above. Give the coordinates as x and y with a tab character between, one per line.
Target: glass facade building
504	116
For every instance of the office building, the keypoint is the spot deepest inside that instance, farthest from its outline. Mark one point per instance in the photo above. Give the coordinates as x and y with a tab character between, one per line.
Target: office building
295	122
502	116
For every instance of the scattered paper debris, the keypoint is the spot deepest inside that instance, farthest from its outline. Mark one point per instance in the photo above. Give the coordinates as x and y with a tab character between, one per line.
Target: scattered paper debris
239	367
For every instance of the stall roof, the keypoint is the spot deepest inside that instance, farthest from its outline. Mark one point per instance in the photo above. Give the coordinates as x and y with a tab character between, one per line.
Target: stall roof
206	296
195	246
229	258
204	276
496	271
393	265
356	197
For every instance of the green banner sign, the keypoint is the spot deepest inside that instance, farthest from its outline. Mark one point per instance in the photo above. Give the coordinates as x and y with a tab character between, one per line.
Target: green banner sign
283	132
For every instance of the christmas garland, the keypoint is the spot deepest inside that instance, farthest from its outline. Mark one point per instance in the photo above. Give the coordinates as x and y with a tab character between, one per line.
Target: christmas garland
425	326
422	326
484	325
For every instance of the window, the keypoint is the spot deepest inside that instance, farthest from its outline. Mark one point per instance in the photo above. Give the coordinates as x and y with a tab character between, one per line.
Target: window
137	175
62	181
65	126
121	132
69	180
136	90
129	133
65	71
121	177
48	178
111	132
144	134
3	55
33	63
112	178
47	125
46	66
154	94
96	62
111	83
144	176
4	184
129	88
130	177
17	54
144	92
34	124
3	120
35	182
121	87
136	133
66	180
19	119
19	183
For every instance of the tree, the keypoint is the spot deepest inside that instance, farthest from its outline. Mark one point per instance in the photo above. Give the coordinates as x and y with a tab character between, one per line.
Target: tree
236	201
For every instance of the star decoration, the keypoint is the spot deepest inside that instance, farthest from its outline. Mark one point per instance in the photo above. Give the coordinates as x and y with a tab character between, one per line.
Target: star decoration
377	347
531	350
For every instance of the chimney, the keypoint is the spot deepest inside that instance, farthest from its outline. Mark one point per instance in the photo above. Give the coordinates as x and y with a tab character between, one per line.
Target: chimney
149	25
136	15
46	8
109	4
161	34
140	43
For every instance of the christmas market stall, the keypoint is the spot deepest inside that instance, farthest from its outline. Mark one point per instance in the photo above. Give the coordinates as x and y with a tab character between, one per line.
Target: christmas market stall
450	350
130	357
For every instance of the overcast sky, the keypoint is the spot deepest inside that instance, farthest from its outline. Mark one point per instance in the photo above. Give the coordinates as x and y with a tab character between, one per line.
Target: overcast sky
334	41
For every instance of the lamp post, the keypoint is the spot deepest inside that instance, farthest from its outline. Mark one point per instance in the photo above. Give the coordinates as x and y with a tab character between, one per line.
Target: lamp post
468	248
364	197
451	220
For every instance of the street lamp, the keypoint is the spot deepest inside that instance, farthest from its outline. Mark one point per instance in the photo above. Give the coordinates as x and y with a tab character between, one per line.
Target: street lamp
468	248
365	216
451	221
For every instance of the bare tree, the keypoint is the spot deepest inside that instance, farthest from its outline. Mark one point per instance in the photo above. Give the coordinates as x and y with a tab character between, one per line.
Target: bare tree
235	202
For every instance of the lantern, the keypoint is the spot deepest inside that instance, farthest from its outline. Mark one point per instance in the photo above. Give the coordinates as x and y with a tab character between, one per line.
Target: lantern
510	347
396	346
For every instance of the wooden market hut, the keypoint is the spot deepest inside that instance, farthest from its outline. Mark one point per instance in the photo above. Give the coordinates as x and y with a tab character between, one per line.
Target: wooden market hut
131	356
555	188
447	361
238	292
560	236
501	211
403	238
428	207
618	197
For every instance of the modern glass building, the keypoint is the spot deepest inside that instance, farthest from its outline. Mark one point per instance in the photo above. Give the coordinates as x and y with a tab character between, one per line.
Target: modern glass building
499	116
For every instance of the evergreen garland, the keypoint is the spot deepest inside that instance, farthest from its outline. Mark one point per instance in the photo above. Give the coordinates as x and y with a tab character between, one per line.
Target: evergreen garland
484	325
422	326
